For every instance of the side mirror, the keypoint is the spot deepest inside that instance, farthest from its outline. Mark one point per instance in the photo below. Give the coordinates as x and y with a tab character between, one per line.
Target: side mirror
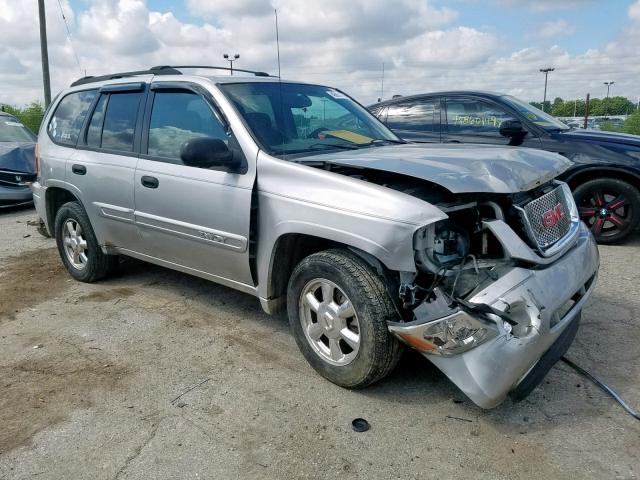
207	152
512	128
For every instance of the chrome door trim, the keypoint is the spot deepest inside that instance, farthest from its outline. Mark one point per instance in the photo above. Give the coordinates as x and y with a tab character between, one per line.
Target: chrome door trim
219	238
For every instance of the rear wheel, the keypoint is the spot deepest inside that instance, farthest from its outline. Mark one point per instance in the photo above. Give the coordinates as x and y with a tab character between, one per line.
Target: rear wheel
610	208
338	310
78	247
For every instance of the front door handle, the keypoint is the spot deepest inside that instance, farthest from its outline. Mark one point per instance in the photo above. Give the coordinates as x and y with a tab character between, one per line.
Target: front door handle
79	169
149	182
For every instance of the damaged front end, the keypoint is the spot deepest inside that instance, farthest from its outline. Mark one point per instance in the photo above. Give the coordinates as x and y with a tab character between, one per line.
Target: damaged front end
499	289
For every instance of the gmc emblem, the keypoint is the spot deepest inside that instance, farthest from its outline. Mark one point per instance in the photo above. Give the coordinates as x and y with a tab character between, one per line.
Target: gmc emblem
553	216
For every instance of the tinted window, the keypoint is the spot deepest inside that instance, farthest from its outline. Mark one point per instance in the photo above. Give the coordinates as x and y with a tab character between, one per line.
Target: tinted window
175	118
120	121
66	122
474	117
379	112
94	133
11	130
417	115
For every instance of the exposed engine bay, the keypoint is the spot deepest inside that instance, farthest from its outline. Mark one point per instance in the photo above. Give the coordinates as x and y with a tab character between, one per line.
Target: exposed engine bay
456	256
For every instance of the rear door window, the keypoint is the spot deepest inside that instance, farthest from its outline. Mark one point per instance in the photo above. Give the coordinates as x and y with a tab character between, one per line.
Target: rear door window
120	121
415	116
66	122
94	132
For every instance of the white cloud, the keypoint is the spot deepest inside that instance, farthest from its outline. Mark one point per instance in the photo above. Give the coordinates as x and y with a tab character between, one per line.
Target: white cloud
339	43
634	11
544	5
554	28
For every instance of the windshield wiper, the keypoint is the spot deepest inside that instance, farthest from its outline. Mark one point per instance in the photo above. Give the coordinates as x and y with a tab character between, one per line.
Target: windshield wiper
335	145
377	141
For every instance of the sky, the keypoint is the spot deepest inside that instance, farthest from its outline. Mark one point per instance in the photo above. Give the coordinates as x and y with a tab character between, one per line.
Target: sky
424	45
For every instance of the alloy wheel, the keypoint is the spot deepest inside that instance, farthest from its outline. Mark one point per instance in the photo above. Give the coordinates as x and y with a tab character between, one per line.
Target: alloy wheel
75	245
329	322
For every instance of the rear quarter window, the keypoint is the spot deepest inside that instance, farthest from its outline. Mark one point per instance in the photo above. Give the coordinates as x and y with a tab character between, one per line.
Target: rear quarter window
68	117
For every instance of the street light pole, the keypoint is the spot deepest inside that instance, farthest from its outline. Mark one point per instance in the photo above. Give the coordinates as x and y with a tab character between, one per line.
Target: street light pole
231	60
44	54
606	101
546	74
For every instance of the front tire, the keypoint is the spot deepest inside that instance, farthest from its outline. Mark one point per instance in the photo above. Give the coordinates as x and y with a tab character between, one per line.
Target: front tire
79	250
610	207
338	310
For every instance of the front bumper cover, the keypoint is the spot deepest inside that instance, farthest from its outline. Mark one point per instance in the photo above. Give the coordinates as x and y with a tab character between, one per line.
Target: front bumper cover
540	300
15	194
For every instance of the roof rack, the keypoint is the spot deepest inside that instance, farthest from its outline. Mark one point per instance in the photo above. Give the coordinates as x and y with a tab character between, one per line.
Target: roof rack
257	74
159	70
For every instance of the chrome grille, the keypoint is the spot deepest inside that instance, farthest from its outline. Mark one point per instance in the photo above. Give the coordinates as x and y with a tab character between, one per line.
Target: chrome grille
547	218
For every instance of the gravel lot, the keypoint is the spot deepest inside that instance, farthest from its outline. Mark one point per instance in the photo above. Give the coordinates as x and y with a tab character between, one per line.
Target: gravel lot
93	377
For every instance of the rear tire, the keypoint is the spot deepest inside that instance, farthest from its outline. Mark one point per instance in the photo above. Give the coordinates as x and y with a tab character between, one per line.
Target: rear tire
79	250
346	338
610	207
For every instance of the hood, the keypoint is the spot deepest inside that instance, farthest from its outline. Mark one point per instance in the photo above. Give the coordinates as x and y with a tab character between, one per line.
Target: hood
17	157
459	168
598	136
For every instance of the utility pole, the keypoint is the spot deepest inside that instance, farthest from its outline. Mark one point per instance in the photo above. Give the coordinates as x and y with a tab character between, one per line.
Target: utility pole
546	74
606	101
586	112
44	54
231	60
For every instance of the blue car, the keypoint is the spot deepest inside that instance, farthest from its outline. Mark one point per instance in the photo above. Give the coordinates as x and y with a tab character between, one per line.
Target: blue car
17	162
605	176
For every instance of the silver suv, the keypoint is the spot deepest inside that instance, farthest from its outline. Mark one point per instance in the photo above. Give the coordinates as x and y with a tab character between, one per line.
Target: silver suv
294	193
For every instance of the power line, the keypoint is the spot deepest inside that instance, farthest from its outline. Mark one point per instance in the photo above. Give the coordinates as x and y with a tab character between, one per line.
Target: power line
75	54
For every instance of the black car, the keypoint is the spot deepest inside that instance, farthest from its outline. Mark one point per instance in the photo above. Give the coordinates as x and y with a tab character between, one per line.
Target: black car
17	162
605	176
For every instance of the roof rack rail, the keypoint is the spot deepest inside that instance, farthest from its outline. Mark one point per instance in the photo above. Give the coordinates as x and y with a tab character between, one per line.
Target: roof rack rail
257	74
113	76
159	70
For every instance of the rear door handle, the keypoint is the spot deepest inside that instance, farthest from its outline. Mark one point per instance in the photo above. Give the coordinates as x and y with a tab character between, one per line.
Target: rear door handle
149	182
79	169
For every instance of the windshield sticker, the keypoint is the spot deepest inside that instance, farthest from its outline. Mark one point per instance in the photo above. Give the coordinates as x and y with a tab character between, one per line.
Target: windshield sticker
14	124
336	94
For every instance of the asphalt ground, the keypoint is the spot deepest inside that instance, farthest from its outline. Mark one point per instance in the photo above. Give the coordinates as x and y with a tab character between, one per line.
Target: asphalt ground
157	374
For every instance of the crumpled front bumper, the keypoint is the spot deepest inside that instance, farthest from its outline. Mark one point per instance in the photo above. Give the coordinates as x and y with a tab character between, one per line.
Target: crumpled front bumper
540	300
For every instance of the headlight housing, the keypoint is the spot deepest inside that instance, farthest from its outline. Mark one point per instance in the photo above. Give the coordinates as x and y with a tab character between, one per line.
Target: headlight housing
446	336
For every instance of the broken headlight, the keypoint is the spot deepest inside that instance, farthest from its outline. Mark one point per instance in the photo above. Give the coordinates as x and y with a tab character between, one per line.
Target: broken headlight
452	335
443	245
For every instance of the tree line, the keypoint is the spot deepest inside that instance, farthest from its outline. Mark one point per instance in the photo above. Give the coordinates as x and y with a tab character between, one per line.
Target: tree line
30	116
597	107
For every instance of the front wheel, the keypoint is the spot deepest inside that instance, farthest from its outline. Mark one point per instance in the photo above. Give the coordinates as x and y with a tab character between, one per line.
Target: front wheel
338	310
610	208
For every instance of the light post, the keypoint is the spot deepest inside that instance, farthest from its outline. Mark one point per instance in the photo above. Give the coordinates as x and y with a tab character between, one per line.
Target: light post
606	101
546	74
231	60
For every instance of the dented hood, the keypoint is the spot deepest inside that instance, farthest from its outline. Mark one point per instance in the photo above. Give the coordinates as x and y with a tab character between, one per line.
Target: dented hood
459	168
17	157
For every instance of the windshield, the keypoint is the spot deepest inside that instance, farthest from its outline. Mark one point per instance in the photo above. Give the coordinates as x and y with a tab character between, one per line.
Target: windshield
535	115
292	118
11	130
